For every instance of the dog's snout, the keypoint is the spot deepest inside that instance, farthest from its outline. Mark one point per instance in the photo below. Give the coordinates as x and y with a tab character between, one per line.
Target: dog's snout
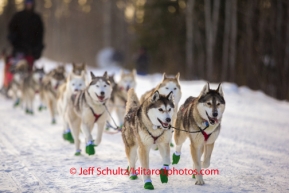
102	93
215	114
168	120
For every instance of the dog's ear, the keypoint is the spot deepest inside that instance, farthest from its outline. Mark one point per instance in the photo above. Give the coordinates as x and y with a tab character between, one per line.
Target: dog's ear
134	73
220	90
170	96
121	73
155	96
205	89
178	76
73	65
82	74
83	65
92	75
105	75
164	76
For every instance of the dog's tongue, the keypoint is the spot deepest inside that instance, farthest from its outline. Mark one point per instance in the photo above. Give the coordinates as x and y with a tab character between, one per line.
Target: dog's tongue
165	124
101	98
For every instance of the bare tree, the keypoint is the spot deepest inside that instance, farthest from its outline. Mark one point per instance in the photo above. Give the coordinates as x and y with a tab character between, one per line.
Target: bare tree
226	41
233	41
107	23
189	42
211	32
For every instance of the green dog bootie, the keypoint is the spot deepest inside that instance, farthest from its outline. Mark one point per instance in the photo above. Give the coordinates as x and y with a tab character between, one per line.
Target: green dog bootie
78	153
171	144
17	102
193	176
90	148
176	158
133	177
69	137
164	172
53	122
148	186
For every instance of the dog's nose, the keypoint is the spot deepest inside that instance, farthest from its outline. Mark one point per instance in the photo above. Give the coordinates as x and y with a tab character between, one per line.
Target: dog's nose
168	120
215	114
75	90
101	93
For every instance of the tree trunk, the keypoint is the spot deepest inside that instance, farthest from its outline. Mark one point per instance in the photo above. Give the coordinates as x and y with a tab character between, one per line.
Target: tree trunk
107	23
233	41
211	30
226	41
189	42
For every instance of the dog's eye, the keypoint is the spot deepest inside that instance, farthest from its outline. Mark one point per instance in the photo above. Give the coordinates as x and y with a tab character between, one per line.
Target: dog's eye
104	85
97	86
161	110
218	104
80	84
73	84
175	88
170	110
208	103
167	88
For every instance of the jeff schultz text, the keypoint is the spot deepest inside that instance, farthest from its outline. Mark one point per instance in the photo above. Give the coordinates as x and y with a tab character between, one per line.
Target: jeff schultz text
141	171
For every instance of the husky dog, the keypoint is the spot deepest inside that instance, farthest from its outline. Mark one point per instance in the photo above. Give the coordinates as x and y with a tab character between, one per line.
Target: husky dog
31	85
200	117
88	108
167	85
49	91
145	125
74	84
20	71
78	68
127	81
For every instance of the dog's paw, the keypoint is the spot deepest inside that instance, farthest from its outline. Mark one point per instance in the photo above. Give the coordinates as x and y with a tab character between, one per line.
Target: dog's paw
90	149
164	175
176	158
133	177
77	153
53	122
199	182
148	186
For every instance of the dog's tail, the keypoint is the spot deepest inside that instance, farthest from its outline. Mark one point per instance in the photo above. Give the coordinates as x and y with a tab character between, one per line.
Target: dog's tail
132	101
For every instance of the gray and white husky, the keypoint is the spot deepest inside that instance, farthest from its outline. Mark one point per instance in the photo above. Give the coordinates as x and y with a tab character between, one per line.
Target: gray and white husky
147	124
167	85
126	82
49	91
30	87
86	109
200	119
74	84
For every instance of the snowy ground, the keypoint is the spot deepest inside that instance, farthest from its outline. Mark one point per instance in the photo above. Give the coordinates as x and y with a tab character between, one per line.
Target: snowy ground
251	153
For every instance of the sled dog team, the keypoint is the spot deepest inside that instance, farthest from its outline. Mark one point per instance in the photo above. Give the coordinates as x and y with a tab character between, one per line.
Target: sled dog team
146	122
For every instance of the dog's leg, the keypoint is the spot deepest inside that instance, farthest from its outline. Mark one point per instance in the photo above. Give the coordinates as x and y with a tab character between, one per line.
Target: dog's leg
143	154
75	129
86	129
131	153
164	149
180	138
51	110
100	127
196	153
208	149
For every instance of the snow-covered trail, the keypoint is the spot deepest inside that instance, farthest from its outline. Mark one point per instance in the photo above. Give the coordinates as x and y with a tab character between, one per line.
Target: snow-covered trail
251	153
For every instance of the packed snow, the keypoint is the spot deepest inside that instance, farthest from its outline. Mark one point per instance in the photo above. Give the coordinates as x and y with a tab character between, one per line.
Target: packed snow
251	153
